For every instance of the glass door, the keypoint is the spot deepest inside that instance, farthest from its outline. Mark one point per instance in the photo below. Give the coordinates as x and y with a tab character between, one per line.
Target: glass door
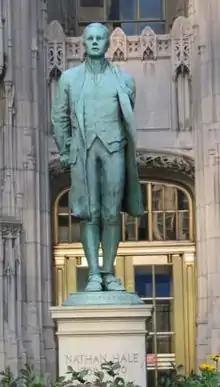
154	284
162	281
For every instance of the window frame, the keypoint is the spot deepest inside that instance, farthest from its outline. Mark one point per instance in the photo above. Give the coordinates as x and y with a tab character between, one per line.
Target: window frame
92	5
137	21
149	210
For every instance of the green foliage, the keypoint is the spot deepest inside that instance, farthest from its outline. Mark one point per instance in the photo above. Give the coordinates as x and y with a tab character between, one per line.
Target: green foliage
108	376
172	378
30	378
207	377
27	378
7	378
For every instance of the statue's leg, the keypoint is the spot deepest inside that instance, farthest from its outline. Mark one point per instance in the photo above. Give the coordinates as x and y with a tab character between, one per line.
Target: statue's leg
90	230
112	194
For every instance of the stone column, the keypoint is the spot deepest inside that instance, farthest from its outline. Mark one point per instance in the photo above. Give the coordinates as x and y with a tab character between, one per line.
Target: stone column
12	346
24	175
206	104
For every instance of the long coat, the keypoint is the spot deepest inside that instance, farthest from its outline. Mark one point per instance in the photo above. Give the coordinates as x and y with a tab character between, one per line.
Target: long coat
69	133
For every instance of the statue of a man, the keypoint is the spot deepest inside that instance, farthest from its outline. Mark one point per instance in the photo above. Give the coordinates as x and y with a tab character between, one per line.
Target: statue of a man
94	129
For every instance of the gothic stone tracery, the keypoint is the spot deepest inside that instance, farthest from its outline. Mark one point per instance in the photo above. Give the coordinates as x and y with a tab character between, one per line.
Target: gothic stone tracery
147	46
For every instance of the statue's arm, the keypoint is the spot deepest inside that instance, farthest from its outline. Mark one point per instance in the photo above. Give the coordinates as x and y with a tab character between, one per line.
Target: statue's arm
131	85
60	118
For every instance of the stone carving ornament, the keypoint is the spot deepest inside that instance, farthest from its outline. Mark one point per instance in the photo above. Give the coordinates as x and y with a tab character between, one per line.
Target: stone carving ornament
147	46
10	228
181	48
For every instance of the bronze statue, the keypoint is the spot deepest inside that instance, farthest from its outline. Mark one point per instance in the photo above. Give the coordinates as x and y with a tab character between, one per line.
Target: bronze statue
94	129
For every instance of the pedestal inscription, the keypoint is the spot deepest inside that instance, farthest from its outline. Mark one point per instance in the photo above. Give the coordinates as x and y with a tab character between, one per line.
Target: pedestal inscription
91	352
94	362
92	335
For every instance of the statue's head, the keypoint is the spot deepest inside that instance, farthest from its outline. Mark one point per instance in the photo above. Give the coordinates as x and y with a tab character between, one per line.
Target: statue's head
96	40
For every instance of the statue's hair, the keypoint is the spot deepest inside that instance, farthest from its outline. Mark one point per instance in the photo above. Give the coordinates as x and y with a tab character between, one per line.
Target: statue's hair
99	25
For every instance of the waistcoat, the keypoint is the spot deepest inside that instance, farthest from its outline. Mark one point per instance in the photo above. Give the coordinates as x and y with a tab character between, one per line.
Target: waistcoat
102	114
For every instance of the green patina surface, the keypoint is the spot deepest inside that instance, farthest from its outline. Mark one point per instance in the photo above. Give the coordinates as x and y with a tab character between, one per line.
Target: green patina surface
103	298
94	129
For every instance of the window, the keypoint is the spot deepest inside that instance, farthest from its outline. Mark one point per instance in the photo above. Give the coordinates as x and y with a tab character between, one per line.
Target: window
132	16
154	284
65	12
91	3
167	217
150	9
67	228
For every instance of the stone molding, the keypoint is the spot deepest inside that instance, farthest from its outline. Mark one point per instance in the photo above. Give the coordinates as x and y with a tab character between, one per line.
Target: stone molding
2	41
147	46
173	162
157	161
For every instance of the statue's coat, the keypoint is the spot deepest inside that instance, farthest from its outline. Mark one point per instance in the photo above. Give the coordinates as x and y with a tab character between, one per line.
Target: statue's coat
69	133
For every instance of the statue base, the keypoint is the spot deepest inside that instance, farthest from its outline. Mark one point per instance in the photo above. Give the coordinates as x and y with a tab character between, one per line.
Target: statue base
91	335
103	298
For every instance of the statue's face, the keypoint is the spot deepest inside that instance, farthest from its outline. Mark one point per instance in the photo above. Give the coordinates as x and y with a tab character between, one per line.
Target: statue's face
96	41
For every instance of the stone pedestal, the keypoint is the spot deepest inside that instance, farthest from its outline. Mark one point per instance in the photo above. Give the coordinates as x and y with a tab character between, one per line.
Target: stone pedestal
91	335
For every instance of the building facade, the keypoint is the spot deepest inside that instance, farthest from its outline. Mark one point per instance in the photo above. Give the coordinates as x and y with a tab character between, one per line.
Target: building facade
169	256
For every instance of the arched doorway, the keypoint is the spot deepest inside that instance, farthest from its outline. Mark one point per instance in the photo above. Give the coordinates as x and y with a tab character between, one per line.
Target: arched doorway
156	256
